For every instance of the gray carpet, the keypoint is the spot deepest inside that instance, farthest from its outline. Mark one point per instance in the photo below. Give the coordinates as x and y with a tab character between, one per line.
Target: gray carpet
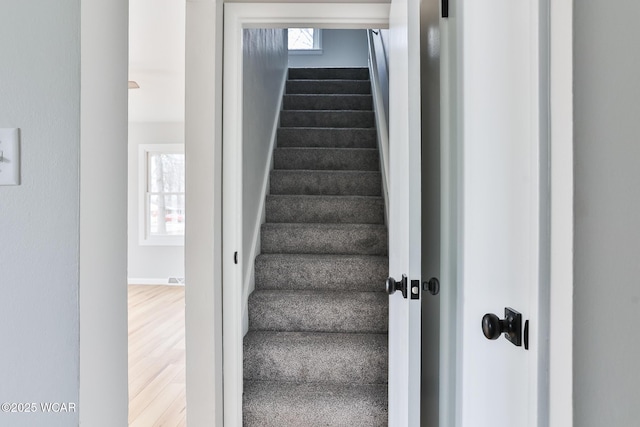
316	351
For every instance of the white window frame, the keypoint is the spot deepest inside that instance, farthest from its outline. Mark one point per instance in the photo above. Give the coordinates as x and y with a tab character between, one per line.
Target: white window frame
317	44
144	237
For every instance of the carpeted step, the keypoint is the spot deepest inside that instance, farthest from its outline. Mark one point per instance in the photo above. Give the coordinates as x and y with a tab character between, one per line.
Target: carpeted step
336	183
318	311
362	87
359	273
327	102
278	404
362	159
329	73
327	137
317	209
315	357
327	118
354	239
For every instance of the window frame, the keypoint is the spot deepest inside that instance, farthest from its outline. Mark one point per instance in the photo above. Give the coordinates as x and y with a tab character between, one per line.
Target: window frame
317	43
145	238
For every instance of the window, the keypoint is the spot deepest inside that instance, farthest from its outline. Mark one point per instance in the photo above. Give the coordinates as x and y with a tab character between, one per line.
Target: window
162	198
305	40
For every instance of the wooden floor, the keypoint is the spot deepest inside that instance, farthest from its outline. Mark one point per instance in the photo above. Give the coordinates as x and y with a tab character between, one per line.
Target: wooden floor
156	356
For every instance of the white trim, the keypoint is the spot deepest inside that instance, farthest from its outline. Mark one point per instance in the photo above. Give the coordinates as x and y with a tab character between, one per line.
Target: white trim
381	123
144	237
102	290
236	17
141	281
254	251
561	218
203	234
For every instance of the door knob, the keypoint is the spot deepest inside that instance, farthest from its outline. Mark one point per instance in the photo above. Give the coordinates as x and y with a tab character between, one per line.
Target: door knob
433	286
511	326
392	285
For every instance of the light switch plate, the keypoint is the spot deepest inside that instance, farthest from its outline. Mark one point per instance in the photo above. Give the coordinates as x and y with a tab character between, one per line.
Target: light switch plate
9	156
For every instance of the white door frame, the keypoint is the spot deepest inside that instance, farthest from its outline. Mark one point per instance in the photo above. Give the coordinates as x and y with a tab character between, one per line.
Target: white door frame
238	16
560	133
556	82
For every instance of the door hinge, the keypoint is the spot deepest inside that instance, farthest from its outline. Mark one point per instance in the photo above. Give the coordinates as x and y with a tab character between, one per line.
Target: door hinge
235	257
445	8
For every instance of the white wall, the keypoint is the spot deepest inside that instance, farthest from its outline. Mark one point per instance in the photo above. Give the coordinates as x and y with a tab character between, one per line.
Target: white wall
340	48
39	219
265	67
607	213
157	263
157	60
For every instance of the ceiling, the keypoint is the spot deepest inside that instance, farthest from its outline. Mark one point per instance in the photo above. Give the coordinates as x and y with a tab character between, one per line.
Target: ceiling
156	60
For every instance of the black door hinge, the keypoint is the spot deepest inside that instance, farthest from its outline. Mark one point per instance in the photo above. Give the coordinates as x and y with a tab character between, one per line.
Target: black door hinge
445	8
235	257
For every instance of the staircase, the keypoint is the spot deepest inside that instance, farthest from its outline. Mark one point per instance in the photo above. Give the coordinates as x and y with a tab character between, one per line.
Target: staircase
316	350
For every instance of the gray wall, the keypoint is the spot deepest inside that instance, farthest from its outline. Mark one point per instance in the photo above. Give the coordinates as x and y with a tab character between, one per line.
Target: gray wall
149	262
340	48
39	220
607	213
265	65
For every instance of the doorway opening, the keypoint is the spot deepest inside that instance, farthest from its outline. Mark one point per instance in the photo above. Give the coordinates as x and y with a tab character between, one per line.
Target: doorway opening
318	212
156	214
359	16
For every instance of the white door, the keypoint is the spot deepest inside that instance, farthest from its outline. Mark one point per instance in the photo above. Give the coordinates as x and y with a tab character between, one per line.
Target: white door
404	210
499	124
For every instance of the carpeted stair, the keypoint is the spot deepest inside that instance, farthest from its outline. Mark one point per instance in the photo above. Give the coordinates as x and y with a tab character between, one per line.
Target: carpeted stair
316	350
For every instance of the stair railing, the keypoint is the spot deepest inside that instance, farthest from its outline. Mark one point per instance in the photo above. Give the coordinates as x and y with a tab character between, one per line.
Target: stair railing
379	72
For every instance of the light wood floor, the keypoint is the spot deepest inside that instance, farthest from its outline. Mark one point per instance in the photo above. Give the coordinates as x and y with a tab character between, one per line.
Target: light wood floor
156	356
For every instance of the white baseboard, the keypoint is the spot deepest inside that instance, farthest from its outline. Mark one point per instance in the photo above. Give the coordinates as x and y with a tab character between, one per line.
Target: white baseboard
249	275
147	281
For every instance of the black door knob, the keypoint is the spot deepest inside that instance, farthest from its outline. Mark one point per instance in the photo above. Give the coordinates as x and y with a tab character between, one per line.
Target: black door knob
393	285
511	326
433	286
492	326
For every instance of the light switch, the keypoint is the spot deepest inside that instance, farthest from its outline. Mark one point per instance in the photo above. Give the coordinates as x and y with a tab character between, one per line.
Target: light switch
9	156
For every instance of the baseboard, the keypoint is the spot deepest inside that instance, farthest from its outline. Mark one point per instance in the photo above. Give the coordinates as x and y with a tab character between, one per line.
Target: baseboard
148	281
248	278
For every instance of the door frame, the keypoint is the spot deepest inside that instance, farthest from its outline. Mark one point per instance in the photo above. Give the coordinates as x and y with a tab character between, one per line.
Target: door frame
555	396
559	84
238	16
